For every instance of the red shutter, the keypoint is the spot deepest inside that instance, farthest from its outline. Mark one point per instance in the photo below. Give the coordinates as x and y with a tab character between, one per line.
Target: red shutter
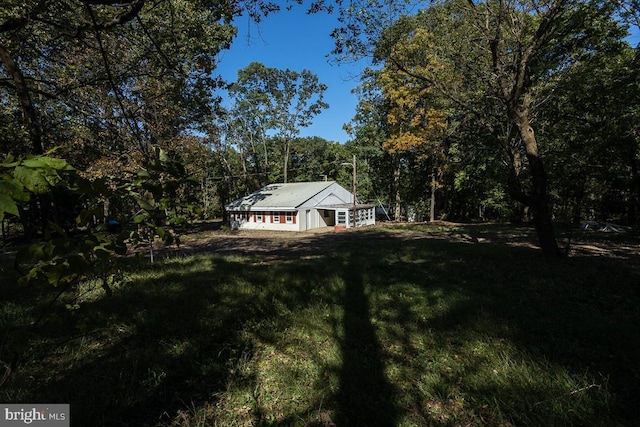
294	215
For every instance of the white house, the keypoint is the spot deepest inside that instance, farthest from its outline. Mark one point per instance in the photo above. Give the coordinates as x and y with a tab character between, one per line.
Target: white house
299	206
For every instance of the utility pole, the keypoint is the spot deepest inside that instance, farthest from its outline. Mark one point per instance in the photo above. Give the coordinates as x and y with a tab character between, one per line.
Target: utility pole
354	192
354	188
432	209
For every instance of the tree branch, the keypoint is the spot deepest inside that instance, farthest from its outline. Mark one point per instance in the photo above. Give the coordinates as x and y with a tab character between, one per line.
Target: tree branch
122	18
116	90
156	45
19	23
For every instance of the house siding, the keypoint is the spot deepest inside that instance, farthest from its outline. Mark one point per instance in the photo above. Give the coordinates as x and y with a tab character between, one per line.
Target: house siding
293	207
264	220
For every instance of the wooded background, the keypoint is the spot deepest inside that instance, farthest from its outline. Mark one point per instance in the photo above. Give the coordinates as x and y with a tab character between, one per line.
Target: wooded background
470	110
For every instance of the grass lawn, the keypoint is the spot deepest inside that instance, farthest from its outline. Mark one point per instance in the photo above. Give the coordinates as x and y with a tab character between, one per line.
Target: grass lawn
409	326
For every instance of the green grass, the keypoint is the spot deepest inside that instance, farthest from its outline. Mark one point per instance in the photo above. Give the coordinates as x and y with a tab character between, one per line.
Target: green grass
381	331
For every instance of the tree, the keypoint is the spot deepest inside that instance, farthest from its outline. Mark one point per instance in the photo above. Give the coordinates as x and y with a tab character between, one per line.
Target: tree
105	82
100	61
416	123
594	123
283	100
247	126
315	159
521	46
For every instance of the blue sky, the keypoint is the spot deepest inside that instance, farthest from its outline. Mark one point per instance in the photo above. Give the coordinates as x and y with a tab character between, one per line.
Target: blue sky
295	40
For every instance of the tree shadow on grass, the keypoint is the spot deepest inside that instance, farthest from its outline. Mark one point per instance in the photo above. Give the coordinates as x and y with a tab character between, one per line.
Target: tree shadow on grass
166	343
453	313
180	336
365	396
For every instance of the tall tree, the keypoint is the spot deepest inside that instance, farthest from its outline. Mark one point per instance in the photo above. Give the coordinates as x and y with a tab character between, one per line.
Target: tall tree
247	126
515	48
315	159
369	130
105	82
130	70
416	123
287	100
594	117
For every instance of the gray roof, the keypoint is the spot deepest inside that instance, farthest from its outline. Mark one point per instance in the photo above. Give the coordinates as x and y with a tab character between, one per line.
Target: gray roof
281	196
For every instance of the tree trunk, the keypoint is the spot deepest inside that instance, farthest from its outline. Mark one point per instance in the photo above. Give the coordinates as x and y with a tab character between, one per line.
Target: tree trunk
287	148
432	208
265	167
576	214
539	206
512	70
29	115
538	199
396	189
634	208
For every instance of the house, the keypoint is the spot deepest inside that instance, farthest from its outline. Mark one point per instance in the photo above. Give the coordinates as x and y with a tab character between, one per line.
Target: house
299	206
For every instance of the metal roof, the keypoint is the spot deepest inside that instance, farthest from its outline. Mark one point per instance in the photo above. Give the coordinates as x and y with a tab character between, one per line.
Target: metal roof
282	195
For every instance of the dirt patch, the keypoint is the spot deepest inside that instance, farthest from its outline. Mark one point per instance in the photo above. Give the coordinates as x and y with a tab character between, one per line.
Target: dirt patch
269	245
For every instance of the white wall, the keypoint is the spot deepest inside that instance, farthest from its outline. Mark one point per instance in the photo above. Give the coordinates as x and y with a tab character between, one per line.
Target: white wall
250	224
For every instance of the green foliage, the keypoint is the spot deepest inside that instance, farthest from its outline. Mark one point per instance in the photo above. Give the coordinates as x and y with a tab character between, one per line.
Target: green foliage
89	250
594	137
156	194
66	261
273	101
315	159
564	67
21	179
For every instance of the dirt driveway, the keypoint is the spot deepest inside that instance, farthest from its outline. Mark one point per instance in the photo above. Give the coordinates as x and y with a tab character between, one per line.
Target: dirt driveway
268	245
277	244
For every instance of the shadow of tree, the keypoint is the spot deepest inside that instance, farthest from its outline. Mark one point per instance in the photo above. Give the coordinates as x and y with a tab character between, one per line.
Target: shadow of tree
538	315
165	343
415	322
365	396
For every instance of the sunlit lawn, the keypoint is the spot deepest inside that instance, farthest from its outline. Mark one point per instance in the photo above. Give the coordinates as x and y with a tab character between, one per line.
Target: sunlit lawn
382	331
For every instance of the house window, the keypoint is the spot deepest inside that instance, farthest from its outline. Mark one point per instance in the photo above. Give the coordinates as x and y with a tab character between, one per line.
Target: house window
276	217
289	217
342	217
258	216
327	214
